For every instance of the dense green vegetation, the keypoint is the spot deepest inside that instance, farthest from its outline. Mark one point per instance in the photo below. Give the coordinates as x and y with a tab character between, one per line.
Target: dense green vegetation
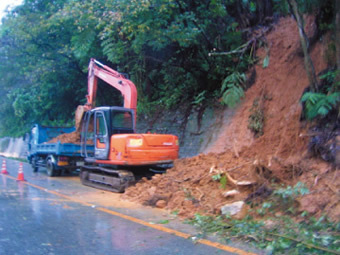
278	233
170	48
322	103
275	235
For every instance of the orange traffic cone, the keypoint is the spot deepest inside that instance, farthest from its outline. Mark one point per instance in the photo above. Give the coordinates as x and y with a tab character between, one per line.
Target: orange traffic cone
3	168
21	173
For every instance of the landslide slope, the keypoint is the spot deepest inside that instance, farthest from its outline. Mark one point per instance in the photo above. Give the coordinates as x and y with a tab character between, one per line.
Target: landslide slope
279	155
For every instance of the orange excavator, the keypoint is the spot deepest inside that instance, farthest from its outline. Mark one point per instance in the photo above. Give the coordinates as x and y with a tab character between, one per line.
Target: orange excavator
117	152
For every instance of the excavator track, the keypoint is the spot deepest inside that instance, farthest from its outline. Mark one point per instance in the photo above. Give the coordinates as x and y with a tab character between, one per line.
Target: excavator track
106	179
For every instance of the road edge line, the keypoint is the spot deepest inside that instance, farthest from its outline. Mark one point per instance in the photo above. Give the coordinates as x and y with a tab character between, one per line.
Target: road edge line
139	221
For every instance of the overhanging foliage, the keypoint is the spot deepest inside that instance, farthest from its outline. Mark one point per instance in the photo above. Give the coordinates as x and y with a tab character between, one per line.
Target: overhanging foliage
163	45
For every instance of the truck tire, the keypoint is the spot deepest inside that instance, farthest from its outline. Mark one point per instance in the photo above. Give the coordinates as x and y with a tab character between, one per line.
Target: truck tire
34	165
51	169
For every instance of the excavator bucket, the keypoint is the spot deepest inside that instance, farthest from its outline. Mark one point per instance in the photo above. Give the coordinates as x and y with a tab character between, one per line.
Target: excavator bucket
79	117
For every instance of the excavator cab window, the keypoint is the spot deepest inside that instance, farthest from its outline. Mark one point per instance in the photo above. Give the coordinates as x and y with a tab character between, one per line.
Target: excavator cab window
102	138
101	127
122	122
87	137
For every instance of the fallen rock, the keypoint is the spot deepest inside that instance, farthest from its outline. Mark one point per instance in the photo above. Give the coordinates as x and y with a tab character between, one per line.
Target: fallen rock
269	224
239	183
161	204
233	208
230	193
156	177
151	191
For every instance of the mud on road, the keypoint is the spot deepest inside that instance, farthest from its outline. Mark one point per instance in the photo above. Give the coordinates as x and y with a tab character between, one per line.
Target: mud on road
279	155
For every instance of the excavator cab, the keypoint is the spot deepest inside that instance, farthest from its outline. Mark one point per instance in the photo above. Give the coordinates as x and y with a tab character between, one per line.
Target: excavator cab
99	125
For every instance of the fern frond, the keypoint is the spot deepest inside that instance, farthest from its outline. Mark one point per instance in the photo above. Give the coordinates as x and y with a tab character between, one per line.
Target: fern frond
232	90
318	104
232	96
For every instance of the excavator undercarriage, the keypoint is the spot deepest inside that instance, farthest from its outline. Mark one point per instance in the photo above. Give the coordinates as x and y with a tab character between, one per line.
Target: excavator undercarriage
106	178
114	180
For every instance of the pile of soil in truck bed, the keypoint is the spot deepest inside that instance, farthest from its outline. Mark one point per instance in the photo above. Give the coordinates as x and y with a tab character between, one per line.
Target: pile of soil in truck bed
73	137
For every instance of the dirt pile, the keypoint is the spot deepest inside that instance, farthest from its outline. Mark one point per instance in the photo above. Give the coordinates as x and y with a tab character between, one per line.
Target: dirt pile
73	137
199	184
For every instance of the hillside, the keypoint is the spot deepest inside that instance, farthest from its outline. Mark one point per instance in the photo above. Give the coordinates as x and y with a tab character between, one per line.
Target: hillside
279	156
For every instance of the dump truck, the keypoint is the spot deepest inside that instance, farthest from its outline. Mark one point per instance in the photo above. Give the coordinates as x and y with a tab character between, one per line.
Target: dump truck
56	157
119	152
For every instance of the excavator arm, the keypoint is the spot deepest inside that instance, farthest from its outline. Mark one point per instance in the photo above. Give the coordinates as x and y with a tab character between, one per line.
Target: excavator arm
113	78
126	87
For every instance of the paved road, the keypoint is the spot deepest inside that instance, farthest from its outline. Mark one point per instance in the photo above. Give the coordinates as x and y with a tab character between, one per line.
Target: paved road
57	216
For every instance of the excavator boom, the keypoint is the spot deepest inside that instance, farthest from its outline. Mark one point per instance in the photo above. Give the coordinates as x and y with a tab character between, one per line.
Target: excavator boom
126	87
113	78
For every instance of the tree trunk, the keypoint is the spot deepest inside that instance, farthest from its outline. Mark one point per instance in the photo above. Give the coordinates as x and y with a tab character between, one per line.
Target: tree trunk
337	52
313	83
337	38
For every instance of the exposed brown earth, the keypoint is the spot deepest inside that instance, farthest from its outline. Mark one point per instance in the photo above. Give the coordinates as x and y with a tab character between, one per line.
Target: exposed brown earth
280	155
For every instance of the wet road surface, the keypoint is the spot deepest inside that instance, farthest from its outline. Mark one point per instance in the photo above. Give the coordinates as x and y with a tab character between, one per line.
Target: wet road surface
57	216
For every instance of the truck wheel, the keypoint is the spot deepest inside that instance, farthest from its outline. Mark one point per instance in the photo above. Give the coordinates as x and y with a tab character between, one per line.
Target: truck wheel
51	171
84	175
34	165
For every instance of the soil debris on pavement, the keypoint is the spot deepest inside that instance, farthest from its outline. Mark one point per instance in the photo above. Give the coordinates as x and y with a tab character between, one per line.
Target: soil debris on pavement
278	155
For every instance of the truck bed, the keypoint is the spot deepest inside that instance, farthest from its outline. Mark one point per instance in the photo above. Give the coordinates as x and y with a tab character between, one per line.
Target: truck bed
64	149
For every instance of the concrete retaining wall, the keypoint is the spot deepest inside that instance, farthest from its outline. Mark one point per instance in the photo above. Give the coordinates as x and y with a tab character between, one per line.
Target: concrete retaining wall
194	135
13	147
